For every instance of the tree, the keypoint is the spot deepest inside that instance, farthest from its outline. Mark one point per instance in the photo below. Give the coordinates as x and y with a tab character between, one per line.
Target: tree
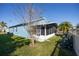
28	15
2	25
65	26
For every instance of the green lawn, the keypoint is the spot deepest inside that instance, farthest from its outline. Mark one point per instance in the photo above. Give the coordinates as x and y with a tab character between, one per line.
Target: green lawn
46	48
40	49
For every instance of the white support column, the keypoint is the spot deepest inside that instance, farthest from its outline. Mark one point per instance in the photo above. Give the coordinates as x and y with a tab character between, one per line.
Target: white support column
13	30
45	30
40	30
16	29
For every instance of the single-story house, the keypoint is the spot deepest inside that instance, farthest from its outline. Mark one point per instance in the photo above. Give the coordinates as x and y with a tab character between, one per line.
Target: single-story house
4	29
44	30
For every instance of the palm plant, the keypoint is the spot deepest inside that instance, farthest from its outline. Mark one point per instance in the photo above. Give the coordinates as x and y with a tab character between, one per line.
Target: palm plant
65	26
2	25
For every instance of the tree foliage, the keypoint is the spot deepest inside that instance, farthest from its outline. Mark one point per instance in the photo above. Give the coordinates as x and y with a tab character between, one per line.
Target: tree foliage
3	24
65	26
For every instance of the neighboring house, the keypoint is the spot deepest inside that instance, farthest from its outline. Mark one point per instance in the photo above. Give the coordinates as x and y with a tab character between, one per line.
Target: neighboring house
4	29
1	28
43	28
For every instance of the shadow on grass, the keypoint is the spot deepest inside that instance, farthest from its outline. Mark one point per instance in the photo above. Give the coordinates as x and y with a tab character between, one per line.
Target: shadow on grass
55	48
59	51
6	44
66	52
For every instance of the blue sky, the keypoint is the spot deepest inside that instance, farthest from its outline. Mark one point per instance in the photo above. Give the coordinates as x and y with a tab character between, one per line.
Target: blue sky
53	12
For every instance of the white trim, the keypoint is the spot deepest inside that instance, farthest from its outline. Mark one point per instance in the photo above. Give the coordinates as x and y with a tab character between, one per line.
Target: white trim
45	30
40	30
43	38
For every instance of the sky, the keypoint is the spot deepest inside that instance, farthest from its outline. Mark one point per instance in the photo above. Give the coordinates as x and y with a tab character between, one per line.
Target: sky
54	12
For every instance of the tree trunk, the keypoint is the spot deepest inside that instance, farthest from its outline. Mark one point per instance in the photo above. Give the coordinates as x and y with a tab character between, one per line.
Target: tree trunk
32	32
32	42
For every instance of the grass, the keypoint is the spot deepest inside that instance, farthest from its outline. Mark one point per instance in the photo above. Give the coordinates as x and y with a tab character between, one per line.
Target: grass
46	48
40	49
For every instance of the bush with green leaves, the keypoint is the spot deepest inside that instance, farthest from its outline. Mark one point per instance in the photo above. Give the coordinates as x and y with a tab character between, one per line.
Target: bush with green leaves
19	41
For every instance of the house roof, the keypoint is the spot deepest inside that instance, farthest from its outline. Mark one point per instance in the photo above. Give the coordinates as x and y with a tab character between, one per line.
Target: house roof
45	21
35	23
23	24
42	22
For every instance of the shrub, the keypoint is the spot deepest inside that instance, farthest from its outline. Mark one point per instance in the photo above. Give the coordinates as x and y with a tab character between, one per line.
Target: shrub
26	41
19	41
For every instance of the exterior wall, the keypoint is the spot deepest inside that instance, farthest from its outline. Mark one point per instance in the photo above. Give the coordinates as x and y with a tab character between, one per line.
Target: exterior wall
20	31
76	42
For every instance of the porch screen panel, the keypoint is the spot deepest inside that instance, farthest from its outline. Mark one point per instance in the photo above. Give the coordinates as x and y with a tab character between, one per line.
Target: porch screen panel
50	29
42	30
38	30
